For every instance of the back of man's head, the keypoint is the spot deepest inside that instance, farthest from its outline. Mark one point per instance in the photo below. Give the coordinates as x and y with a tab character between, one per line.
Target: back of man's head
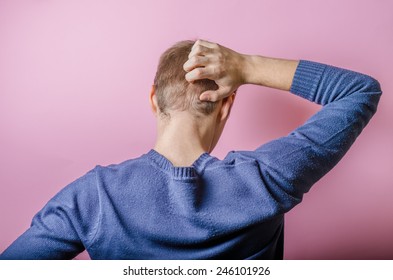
173	91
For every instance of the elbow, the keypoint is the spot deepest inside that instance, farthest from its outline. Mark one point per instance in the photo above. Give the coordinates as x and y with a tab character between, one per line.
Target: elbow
371	85
371	90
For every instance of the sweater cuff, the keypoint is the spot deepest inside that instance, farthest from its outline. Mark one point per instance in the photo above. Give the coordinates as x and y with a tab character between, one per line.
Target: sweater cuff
306	79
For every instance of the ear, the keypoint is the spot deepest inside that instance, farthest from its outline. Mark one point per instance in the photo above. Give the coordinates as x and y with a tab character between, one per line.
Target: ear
226	107
153	100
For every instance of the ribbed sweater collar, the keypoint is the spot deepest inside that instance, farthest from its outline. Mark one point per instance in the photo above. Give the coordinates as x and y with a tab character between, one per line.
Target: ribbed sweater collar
187	172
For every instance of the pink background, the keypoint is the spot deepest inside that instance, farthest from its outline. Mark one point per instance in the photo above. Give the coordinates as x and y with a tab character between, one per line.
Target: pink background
74	84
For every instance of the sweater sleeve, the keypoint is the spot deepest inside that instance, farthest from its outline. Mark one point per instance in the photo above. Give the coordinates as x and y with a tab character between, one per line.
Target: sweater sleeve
290	165
64	227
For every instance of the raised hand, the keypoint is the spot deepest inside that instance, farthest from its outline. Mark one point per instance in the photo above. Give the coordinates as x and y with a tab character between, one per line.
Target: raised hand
215	62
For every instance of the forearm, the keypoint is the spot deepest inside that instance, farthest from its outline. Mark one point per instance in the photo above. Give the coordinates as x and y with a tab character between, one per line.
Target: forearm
270	72
316	82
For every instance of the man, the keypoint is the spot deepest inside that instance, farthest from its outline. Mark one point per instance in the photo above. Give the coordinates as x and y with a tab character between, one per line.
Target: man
179	202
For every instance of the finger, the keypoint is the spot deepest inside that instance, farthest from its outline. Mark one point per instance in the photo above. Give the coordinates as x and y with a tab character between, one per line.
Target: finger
199	74
198	50
194	62
213	95
205	43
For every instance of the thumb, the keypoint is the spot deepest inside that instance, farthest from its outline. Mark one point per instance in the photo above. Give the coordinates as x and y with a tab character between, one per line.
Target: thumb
213	95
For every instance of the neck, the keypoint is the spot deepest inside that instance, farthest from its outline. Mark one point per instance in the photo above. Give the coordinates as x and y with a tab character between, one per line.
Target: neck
183	138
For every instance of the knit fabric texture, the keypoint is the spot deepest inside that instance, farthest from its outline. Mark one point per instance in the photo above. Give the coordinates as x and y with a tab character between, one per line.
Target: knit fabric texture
145	208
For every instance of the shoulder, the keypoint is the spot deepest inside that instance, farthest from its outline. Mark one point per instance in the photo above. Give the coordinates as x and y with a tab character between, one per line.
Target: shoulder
123	170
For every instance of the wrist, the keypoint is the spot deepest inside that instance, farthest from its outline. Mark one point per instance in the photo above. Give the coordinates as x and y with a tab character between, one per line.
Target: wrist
251	69
270	72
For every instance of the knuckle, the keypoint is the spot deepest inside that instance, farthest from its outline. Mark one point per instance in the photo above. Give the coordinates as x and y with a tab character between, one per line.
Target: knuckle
220	56
219	71
192	60
198	49
197	72
195	60
215	70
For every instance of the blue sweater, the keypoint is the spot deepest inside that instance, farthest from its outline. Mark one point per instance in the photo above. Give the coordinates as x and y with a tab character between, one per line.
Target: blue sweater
145	208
